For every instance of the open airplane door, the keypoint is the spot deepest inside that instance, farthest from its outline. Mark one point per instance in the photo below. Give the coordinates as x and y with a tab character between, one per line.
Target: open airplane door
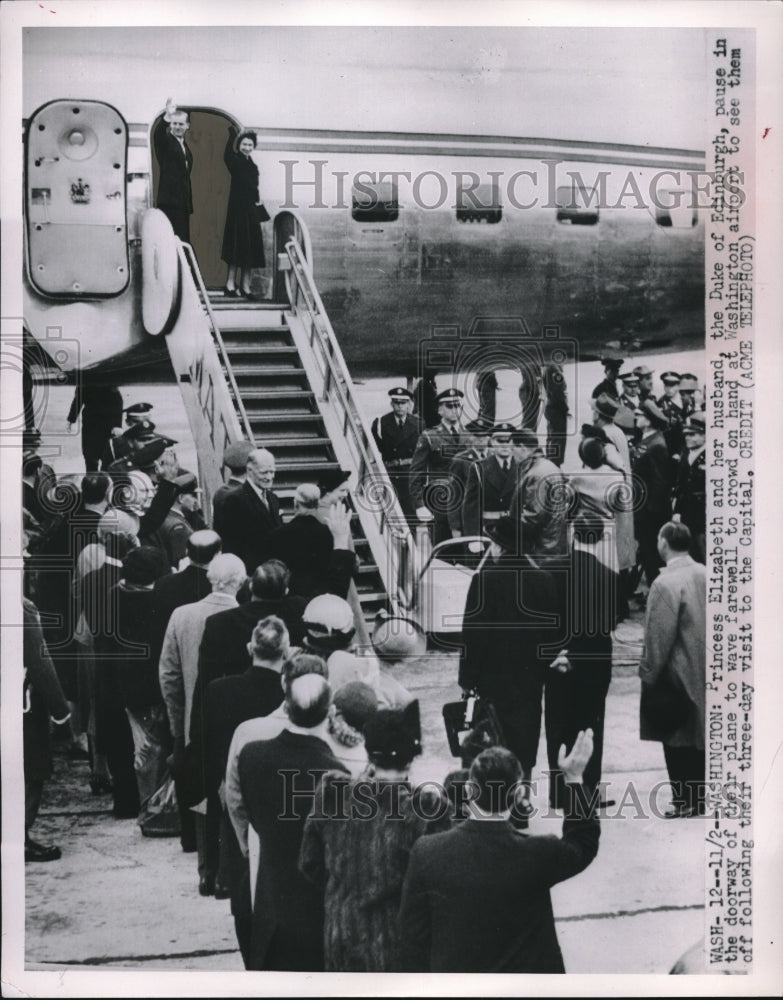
75	199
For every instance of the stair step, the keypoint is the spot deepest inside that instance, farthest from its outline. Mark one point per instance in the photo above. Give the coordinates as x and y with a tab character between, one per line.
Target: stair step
291	417
278	441
267	370
278	352
278	394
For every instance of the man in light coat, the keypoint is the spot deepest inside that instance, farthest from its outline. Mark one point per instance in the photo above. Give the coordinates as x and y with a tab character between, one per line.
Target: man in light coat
675	644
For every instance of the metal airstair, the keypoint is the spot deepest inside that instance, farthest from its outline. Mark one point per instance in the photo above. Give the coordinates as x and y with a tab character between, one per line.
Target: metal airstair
273	373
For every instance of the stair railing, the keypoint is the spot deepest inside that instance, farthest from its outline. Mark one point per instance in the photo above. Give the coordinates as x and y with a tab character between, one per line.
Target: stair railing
195	270
379	510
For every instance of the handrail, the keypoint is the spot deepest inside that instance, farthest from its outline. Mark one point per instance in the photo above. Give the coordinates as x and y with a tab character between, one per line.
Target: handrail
190	259
381	504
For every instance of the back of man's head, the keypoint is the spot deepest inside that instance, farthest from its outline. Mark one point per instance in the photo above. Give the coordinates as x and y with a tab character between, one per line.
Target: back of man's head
226	573
269	641
676	535
307	700
203	546
270	580
495	773
307	497
95	486
301	664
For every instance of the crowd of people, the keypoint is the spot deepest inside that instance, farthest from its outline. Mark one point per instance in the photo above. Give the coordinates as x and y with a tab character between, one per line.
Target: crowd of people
208	668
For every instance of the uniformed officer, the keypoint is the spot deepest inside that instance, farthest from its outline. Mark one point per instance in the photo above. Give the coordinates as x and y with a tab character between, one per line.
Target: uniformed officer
491	483
612	364
477	432
396	434
140	431
430	485
689	391
673	409
629	392
690	494
647	400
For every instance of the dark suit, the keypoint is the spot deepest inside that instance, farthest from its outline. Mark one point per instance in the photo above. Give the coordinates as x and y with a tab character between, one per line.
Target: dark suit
653	468
512	611
222	492
175	197
244	523
288	914
397	445
305	545
476	898
226	635
171	592
488	490
690	501
102	411
576	700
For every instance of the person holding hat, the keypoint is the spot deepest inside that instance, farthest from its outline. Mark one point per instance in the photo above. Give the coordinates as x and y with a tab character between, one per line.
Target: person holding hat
357	840
690	490
235	459
395	435
139	429
477	433
512	611
540	497
101	411
652	487
172	536
608	386
491	482
431	487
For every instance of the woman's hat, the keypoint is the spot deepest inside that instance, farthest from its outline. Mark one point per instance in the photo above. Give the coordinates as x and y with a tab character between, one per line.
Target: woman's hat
331	479
357	703
606	406
392	737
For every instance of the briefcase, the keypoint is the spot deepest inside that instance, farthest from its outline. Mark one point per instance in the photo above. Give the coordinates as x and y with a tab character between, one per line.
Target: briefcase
472	725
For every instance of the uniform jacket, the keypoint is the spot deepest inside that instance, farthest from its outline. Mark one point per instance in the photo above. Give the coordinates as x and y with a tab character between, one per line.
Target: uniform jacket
652	465
459	471
287	932
434	452
172	537
540	496
476	898
690	493
174	180
488	488
396	444
675	631
245	523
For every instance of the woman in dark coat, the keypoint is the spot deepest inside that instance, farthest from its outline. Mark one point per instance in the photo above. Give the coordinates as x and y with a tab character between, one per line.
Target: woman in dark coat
243	246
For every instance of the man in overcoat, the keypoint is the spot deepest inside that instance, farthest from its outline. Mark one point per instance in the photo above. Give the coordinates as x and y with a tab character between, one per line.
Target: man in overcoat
491	483
675	631
249	515
175	163
279	778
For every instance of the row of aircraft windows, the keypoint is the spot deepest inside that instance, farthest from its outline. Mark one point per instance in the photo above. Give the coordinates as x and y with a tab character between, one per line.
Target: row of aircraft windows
379	203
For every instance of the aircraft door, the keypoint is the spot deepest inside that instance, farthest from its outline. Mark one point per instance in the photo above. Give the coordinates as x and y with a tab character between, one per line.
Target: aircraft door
75	200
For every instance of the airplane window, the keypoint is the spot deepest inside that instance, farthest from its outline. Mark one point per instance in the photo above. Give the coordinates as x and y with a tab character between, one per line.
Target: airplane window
574	206
479	204
375	202
675	210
